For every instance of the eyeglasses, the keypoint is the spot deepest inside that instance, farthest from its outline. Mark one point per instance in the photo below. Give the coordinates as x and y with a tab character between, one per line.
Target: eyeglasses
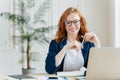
75	22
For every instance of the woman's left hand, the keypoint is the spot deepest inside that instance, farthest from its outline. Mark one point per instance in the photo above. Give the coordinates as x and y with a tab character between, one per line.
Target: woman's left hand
91	36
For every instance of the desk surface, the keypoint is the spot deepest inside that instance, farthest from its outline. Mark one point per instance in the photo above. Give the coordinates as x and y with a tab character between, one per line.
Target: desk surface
44	76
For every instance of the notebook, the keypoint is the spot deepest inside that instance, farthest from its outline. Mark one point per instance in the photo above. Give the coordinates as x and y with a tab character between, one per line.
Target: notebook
104	64
20	77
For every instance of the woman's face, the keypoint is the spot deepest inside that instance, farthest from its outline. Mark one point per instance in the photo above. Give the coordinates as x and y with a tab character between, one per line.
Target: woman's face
72	24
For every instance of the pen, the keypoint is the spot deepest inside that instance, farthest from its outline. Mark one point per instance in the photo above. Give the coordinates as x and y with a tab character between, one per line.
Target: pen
82	43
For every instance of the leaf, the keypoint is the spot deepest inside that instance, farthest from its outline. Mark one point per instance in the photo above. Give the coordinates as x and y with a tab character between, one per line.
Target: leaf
41	11
15	18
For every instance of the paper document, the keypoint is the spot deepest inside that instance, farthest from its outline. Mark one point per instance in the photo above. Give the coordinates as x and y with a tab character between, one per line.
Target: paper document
73	73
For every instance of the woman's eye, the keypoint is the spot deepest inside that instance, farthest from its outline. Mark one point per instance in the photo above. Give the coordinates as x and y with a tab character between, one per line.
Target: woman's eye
68	22
76	21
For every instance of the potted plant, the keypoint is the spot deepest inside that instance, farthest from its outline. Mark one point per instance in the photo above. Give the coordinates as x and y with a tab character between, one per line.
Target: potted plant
24	24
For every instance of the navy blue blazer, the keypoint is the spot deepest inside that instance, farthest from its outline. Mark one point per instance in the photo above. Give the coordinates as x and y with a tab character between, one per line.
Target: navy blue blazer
54	49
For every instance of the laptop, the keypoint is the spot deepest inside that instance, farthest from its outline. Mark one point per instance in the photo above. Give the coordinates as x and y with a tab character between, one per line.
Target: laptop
103	64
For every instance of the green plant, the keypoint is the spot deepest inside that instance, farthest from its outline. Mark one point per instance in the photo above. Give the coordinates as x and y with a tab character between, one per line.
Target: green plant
24	24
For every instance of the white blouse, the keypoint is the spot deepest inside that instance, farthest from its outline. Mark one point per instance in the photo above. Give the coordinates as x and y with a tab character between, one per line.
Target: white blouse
73	60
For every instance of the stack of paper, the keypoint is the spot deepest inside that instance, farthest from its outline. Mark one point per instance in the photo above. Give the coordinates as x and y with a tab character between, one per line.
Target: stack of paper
72	75
44	76
81	72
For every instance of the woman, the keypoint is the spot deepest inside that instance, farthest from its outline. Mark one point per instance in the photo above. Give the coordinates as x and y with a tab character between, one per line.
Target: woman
69	50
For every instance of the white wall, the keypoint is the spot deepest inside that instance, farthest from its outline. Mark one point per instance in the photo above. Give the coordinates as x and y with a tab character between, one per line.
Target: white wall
4	41
100	19
9	57
112	23
9	62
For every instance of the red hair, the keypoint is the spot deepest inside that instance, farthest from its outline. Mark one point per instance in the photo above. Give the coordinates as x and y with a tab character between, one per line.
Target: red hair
62	33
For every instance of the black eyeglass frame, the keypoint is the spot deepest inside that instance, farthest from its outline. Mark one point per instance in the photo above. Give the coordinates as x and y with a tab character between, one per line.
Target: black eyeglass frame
69	22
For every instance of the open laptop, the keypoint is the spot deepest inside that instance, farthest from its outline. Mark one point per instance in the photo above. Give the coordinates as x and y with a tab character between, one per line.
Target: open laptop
104	64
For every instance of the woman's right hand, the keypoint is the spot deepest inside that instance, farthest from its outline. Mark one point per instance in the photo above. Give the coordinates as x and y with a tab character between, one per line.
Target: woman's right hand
73	45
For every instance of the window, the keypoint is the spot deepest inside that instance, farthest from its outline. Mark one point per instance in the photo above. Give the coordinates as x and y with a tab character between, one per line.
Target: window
117	22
